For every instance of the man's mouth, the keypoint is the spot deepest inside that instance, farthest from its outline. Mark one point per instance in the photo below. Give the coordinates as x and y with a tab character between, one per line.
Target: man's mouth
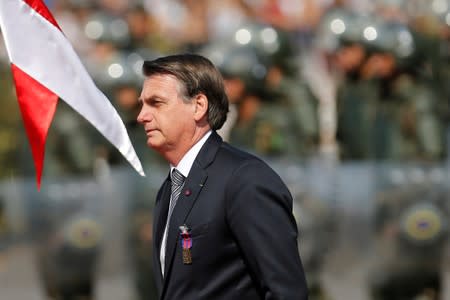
149	131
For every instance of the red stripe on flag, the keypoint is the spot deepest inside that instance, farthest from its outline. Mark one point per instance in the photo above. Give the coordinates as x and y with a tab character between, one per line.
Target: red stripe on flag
42	9
37	105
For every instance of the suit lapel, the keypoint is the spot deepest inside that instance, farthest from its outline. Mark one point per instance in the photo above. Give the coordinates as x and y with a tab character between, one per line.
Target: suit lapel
161	209
189	194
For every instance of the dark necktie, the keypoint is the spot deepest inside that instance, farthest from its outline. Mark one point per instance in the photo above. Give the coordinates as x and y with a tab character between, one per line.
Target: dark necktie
177	184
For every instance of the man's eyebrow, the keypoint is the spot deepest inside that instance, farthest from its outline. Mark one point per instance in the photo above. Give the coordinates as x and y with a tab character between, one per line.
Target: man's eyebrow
150	99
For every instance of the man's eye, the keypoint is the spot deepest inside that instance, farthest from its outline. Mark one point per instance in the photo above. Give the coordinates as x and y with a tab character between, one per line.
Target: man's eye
157	103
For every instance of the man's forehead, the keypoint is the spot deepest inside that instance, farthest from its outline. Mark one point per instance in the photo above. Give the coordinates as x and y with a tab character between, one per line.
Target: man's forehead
161	79
159	85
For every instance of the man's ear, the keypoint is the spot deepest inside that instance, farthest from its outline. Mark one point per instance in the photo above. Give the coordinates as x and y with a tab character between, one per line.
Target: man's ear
201	106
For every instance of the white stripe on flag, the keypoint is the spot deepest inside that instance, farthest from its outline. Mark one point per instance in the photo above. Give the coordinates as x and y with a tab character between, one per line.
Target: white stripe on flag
42	51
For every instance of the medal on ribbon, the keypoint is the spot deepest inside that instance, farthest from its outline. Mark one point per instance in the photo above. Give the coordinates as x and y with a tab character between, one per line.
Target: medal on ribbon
186	244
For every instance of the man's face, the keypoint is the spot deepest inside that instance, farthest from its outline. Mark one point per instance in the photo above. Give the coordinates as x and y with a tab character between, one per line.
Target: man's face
350	57
379	65
168	120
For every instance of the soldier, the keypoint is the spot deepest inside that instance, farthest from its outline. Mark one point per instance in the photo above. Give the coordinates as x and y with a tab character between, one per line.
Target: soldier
432	34
340	37
356	103
411	235
106	60
140	242
421	130
264	123
300	107
395	120
10	125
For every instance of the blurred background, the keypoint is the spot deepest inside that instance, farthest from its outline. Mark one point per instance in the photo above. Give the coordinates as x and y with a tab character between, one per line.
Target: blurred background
347	100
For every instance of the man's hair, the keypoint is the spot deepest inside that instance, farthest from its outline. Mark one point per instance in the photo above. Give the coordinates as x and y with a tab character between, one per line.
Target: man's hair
198	75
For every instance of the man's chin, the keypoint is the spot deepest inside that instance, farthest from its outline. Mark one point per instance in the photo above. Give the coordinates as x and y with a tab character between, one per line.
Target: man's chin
155	145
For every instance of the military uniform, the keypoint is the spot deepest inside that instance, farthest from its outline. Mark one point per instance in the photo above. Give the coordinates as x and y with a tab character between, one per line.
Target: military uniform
300	115
420	131
270	132
10	125
357	107
70	148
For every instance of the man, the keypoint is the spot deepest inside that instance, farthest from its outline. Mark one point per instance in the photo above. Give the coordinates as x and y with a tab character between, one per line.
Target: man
231	233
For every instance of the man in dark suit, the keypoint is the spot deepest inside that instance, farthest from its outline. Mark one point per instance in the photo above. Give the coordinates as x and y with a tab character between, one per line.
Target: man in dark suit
223	223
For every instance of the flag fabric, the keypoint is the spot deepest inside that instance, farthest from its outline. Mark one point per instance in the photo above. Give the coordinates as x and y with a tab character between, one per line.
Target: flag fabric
46	68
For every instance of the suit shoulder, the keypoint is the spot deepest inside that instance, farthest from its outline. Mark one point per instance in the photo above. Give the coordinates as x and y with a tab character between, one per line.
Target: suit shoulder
237	159
236	155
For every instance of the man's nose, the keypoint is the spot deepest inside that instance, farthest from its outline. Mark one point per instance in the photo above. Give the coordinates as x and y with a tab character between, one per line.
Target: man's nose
142	116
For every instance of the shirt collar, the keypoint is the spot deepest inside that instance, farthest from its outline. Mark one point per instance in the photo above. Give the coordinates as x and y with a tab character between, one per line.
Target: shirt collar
185	164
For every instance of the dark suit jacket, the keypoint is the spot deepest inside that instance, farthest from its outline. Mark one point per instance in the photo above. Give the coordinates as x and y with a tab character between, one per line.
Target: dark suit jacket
244	236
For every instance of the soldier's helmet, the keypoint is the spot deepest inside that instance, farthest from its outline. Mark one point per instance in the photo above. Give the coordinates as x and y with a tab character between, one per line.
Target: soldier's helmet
375	33
391	37
337	28
126	68
250	52
273	44
109	64
238	61
103	27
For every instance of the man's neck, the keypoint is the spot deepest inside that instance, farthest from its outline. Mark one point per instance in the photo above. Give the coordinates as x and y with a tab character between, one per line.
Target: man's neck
175	156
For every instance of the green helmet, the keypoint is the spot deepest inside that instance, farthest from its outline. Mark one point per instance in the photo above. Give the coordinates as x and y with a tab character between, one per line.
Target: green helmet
238	61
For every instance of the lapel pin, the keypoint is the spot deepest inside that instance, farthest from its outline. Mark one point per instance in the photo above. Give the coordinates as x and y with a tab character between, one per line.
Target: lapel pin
187	192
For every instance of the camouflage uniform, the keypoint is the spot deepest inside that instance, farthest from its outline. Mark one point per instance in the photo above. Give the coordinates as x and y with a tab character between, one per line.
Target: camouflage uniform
357	106
270	132
300	116
10	125
420	131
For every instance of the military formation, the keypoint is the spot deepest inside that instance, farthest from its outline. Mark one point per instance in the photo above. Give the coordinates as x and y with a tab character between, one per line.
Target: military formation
391	102
382	96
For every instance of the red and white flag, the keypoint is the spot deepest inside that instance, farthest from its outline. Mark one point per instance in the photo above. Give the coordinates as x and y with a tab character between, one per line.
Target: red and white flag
45	67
